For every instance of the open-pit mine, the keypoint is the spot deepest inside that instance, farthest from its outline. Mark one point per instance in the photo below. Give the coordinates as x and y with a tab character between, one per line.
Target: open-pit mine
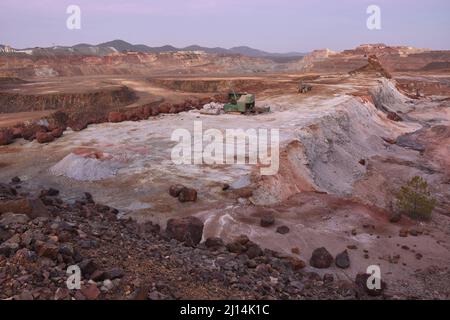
88	178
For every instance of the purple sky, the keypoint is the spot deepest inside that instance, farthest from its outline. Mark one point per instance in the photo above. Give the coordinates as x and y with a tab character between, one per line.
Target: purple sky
271	25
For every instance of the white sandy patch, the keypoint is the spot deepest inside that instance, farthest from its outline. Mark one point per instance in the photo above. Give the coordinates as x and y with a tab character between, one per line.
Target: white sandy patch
85	169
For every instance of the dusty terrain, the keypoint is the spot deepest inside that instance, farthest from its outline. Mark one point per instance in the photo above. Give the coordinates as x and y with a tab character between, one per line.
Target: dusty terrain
342	157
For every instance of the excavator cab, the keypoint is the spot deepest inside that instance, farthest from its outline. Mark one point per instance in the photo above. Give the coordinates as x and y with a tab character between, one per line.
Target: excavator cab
240	102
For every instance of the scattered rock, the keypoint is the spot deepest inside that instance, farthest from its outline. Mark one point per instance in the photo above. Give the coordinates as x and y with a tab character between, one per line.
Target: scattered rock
6	137
296	264
9	247
57	133
283	230
25	295
62	294
403	232
44	137
156	295
415	232
267	220
214	243
321	258
242	239
6	192
108	285
188	230
253	251
49	193
16	180
343	260
114	273
4	234
235	247
31	207
140	294
175	190
361	282
90	292
328	278
187	195
87	267
9	218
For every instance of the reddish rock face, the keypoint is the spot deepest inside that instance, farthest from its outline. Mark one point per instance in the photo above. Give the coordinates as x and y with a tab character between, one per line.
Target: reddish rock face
204	101
116	117
17	132
44	137
188	230
30	132
165	107
57	133
6	137
154	111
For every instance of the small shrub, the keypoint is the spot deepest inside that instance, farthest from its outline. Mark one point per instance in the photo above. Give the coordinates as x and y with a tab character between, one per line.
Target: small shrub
415	200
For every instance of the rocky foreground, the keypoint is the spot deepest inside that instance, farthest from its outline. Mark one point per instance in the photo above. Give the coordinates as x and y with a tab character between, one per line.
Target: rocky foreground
41	236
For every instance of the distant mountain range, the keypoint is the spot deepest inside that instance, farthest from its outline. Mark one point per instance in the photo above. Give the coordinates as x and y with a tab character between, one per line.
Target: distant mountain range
123	46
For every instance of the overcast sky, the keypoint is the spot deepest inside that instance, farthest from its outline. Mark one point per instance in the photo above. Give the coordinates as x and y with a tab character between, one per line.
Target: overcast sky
271	25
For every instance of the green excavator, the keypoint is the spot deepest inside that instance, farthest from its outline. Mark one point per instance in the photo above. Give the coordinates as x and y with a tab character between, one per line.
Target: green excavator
240	102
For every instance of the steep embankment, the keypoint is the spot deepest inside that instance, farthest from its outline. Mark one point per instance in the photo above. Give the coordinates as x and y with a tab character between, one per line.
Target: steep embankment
131	63
332	153
217	85
11	102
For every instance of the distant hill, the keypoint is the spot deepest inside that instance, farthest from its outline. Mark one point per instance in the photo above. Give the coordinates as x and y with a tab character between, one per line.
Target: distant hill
123	46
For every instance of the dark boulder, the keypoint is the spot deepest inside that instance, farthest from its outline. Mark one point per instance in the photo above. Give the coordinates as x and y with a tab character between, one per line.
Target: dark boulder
267	220
343	260
187	195
214	243
188	230
6	137
321	258
44	137
283	230
175	190
362	284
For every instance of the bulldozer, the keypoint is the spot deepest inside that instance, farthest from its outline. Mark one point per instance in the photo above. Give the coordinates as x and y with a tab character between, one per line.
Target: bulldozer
240	102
